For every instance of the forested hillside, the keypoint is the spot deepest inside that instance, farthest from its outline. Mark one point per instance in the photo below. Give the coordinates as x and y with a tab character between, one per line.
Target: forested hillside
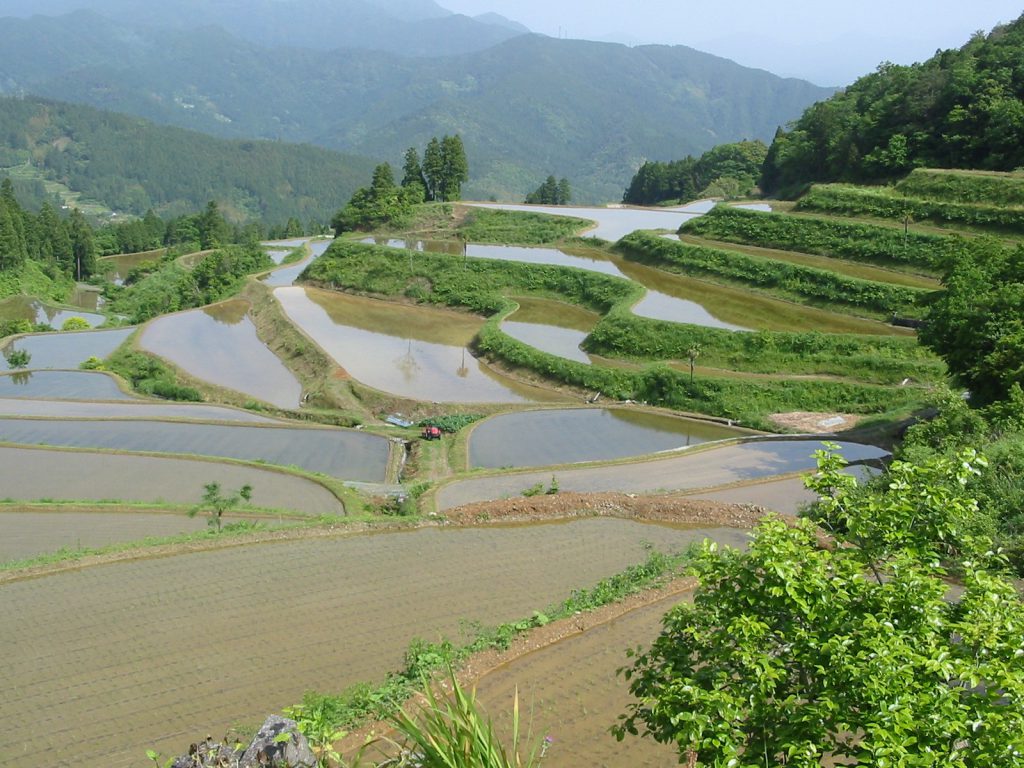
960	109
526	108
132	165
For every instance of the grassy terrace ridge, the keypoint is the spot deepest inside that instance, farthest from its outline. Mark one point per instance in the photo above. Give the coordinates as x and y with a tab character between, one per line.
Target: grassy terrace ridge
494	226
817	287
854	241
479	285
965	186
889	203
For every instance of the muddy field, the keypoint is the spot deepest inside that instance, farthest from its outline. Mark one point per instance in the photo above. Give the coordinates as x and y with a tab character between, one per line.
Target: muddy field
719	466
569	691
30	474
107	661
29	534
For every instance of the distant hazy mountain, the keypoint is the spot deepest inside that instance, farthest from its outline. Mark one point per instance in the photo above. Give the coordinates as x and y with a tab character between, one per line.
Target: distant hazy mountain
526	108
403	27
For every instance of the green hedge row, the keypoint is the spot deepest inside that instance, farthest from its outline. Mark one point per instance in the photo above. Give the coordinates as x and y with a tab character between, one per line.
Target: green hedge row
875	359
886	203
883	246
489	225
964	187
806	284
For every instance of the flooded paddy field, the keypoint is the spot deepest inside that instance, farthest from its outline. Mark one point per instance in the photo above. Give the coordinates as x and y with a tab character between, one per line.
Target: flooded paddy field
615	223
570	692
67	350
566	436
683	471
284	276
84	385
29	534
219	344
140	409
551	326
32	474
116	268
409	351
674	297
157	653
345	454
36	312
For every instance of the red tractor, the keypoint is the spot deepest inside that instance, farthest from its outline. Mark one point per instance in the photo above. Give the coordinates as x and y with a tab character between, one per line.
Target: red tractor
431	433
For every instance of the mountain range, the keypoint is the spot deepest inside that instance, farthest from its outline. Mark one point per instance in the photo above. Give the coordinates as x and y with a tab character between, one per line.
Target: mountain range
526	106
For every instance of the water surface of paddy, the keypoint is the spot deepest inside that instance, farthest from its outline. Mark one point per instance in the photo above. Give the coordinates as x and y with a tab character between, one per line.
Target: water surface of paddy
415	352
615	223
551	326
36	312
656	304
71	385
113	682
117	267
67	350
33	474
540	438
219	344
345	454
139	409
289	274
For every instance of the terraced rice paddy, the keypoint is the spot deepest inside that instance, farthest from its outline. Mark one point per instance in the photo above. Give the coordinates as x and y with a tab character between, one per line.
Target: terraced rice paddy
84	385
67	350
703	469
288	275
147	650
219	344
345	454
548	437
141	409
570	692
33	474
551	326
30	534
615	223
36	312
116	268
413	352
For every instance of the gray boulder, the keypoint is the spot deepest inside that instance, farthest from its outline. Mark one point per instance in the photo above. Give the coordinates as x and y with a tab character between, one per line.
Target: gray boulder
278	743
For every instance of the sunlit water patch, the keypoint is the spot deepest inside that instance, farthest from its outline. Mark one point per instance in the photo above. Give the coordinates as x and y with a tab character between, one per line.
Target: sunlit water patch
539	438
66	350
415	352
219	344
284	276
345	454
36	312
72	385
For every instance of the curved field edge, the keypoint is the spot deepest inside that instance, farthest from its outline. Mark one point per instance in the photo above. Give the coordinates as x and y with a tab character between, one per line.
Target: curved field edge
92	463
479	285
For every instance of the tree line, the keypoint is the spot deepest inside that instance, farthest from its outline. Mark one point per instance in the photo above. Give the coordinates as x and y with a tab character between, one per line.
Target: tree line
728	170
962	108
437	178
551	192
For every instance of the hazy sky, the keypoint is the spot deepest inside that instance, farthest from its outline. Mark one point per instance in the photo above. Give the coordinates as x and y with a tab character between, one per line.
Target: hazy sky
824	41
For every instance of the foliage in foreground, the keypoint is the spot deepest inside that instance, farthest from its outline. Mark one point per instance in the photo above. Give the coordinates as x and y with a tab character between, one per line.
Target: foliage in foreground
792	655
148	375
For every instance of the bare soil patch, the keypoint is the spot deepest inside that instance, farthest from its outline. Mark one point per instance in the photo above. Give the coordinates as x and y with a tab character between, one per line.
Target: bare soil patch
806	421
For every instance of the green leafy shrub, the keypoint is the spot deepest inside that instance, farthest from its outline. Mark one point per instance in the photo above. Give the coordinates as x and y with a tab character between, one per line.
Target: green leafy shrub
75	324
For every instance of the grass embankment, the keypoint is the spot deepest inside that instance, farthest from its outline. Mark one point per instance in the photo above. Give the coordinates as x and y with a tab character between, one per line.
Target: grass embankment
890	203
852	241
965	186
33	280
486	225
366	702
482	286
807	285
